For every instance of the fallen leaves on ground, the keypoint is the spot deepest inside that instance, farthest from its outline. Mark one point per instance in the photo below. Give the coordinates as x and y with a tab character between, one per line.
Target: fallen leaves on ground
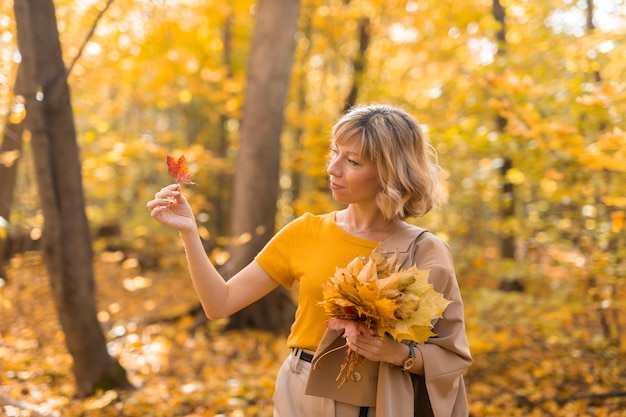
179	368
535	354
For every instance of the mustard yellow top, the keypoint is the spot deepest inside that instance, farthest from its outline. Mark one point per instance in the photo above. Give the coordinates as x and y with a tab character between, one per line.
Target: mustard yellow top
308	250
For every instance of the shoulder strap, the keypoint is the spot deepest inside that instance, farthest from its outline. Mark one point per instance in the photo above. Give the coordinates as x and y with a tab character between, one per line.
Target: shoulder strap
403	242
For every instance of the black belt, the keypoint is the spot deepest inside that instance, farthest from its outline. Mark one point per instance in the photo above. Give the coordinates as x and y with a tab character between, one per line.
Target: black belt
307	357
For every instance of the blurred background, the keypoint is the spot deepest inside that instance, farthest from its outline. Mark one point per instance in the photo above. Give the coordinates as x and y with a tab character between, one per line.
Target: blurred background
524	102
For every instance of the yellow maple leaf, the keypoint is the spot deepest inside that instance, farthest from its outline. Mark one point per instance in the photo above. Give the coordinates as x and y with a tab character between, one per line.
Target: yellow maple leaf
421	333
389	287
355	266
420	282
369	272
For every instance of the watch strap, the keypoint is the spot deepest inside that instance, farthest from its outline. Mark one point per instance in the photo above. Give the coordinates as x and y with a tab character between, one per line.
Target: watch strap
408	363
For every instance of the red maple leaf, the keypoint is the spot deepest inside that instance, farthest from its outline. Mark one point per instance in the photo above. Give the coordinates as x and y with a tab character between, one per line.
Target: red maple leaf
179	170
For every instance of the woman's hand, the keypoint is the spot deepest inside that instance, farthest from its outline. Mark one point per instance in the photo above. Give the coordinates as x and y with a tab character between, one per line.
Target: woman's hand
367	343
171	208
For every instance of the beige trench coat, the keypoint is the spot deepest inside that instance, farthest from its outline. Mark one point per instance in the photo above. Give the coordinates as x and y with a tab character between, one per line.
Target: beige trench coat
446	356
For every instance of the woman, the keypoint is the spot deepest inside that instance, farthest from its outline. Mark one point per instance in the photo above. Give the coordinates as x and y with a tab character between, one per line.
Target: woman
380	168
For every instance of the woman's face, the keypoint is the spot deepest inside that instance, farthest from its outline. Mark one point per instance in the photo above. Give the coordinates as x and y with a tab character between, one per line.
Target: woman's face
353	178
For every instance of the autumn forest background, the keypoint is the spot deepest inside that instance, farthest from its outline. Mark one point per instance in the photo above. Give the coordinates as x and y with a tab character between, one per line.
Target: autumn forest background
524	101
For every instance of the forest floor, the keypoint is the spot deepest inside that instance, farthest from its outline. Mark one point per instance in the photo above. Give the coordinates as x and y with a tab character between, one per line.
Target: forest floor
533	354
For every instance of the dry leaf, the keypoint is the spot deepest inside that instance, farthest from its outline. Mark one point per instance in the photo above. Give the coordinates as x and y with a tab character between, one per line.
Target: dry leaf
179	170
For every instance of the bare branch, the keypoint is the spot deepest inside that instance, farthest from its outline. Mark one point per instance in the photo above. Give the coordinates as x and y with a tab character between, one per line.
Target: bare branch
89	36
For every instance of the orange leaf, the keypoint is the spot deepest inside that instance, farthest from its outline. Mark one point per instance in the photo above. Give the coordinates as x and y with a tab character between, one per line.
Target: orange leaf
179	170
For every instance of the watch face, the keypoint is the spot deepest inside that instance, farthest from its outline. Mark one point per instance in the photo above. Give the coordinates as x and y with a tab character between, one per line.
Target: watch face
408	363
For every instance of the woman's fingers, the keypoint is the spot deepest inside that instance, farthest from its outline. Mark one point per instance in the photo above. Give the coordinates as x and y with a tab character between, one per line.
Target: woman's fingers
158	203
164	198
167	193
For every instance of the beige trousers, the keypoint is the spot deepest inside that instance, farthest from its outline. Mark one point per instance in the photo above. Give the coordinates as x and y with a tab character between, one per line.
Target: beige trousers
291	401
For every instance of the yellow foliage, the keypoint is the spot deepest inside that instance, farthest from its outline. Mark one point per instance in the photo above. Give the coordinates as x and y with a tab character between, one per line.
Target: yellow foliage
3	228
617	221
401	303
8	158
18	111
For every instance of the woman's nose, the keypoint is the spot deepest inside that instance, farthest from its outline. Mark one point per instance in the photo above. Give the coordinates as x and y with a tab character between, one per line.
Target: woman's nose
333	168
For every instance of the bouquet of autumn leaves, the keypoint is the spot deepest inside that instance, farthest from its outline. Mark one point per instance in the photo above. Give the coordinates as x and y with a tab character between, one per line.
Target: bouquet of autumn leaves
374	292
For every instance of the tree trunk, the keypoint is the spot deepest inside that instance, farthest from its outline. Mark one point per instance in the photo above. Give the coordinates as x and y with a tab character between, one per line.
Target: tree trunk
220	200
507	211
358	65
258	162
11	152
66	240
608	322
11	148
507	196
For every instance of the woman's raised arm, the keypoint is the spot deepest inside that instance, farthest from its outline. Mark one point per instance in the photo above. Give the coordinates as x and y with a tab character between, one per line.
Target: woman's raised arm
219	298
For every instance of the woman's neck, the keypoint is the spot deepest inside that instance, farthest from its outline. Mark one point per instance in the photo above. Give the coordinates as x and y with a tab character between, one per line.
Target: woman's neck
360	224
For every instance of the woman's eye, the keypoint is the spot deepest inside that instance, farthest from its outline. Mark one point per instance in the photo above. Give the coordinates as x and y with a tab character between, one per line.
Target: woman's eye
334	154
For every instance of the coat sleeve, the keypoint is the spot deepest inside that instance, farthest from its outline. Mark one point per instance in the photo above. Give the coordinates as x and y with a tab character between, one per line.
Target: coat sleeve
446	355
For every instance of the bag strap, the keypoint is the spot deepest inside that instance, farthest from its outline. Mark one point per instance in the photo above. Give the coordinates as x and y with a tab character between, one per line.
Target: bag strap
403	242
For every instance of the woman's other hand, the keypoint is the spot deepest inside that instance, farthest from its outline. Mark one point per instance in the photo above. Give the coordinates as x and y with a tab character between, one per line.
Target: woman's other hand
170	207
364	341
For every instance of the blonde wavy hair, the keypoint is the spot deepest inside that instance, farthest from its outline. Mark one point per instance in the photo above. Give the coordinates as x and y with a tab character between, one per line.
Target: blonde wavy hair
408	171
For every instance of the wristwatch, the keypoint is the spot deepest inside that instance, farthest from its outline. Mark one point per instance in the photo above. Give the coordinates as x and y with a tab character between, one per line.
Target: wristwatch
408	363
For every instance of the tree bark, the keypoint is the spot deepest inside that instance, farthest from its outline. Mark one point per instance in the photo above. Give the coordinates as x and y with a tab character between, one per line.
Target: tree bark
258	163
11	147
507	196
358	65
12	143
66	239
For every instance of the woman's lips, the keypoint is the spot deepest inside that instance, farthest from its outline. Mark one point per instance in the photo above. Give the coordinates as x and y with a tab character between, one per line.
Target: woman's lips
335	186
